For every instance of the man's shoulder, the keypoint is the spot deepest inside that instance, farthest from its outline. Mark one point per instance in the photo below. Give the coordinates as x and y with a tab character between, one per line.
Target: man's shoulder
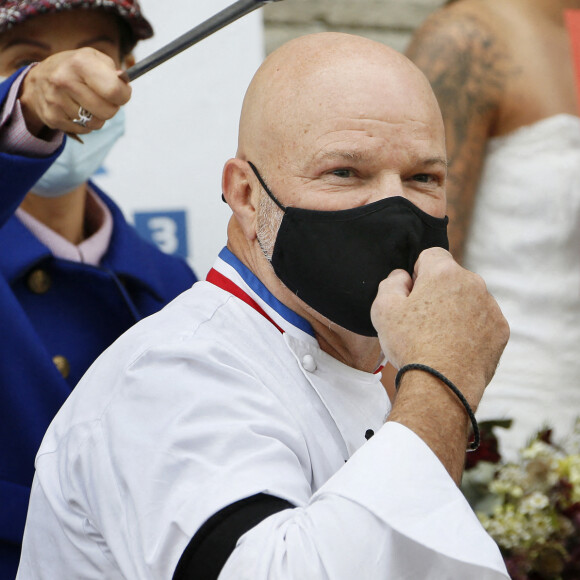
201	343
204	321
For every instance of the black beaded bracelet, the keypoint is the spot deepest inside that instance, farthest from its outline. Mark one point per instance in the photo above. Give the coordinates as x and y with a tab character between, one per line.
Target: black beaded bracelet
419	367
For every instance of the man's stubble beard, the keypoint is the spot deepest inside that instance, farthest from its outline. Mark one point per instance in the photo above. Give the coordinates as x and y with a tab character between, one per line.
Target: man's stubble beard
269	220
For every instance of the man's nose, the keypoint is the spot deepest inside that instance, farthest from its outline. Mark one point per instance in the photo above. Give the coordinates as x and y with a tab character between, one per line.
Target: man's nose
389	185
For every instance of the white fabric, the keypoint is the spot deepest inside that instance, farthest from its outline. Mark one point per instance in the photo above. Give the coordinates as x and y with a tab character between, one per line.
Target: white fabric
206	403
525	242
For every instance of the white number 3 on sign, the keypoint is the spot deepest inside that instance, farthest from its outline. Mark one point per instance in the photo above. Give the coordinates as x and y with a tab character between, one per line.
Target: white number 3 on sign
164	233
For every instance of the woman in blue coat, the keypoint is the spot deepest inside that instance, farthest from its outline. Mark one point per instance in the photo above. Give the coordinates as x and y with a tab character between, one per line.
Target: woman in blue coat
73	274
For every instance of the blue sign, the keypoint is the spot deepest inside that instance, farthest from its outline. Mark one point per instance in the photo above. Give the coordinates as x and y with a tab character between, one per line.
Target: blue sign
165	229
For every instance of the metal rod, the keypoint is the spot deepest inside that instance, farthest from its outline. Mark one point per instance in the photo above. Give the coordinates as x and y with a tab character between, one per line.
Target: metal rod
211	25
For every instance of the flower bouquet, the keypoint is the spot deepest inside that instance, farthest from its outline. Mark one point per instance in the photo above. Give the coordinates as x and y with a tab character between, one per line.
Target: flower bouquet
530	507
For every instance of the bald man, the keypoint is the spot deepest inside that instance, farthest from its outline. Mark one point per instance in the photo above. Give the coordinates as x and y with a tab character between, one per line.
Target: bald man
243	431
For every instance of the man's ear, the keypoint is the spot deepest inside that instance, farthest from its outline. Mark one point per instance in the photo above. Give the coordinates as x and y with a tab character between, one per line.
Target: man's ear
240	192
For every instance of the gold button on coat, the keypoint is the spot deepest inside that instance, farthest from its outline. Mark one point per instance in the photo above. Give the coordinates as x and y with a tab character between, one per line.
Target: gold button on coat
39	281
62	364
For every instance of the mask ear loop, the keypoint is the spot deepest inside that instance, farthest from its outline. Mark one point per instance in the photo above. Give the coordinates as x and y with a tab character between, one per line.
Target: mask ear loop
266	189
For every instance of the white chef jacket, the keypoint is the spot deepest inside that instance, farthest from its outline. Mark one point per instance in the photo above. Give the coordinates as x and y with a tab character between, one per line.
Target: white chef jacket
211	401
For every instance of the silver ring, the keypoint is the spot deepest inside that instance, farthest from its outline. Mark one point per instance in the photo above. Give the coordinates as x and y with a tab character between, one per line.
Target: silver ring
83	118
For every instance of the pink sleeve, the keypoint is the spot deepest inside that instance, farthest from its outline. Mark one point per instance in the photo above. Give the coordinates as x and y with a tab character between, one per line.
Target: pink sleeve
14	135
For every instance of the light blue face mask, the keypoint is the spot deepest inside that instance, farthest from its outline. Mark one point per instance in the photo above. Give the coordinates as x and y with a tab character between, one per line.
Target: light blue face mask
79	161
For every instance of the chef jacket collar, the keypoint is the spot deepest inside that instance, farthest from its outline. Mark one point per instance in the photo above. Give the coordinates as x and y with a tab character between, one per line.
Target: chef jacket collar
231	267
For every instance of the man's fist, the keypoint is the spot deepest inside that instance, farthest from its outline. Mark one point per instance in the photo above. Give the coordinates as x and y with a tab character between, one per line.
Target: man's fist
443	317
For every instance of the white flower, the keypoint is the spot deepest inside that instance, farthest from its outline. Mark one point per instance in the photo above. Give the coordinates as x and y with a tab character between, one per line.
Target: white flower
538	449
534	502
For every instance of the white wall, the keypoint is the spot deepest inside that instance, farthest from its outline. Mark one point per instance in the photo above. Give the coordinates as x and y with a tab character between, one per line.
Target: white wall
182	125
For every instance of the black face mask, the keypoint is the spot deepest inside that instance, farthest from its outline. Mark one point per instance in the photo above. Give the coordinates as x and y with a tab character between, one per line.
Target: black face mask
335	260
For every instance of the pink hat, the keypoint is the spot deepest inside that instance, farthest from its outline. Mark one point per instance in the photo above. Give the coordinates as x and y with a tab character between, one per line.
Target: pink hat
15	11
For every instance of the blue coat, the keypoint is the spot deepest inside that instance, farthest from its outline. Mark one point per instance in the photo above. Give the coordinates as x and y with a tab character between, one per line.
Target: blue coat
53	310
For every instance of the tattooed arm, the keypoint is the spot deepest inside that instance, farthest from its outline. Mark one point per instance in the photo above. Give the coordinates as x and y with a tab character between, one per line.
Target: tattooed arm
467	64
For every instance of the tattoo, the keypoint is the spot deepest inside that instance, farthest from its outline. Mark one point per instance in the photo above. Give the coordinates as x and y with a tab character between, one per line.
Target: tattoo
468	66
